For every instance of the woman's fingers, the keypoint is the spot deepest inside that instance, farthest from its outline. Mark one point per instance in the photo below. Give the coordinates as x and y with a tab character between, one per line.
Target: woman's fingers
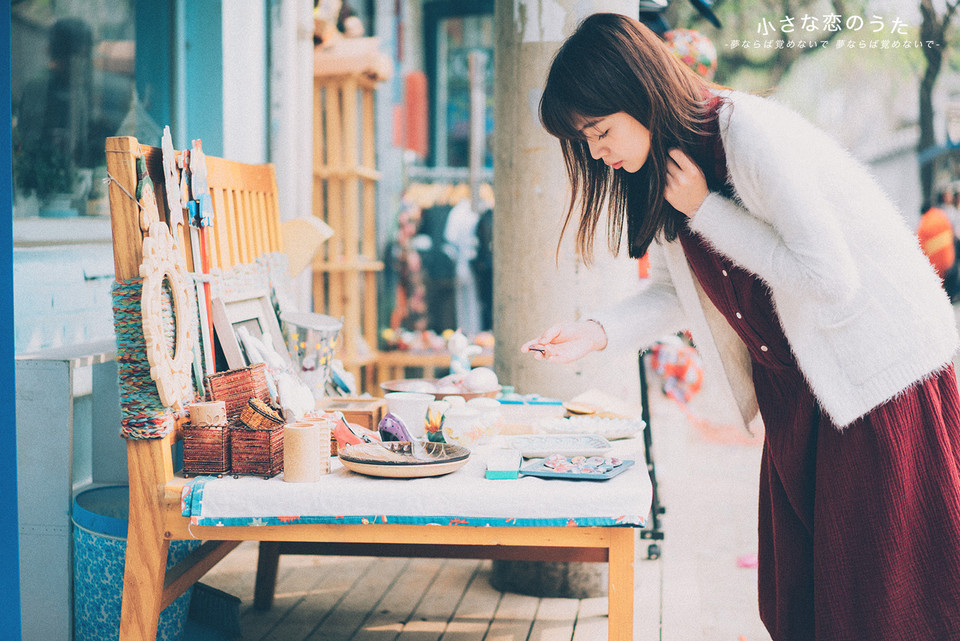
686	187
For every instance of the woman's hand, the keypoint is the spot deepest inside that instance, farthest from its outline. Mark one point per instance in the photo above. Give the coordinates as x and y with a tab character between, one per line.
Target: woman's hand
567	342
686	187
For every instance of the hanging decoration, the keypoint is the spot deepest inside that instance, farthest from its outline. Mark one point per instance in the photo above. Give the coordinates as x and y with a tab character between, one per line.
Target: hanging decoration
163	263
696	50
201	217
171	179
146	196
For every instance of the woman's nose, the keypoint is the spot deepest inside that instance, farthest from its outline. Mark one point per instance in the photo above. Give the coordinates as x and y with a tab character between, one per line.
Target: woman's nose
595	149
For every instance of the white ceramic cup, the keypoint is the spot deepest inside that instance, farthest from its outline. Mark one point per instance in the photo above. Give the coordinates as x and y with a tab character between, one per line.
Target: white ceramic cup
411	407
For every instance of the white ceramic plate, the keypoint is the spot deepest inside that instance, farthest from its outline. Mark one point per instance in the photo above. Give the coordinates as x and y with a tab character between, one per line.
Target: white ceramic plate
366	458
543	445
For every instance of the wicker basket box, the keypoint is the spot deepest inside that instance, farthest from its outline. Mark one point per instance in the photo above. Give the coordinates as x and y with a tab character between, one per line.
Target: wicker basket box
236	387
256	452
206	449
260	415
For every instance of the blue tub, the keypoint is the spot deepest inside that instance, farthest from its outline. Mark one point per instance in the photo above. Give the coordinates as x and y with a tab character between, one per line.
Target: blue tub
100	517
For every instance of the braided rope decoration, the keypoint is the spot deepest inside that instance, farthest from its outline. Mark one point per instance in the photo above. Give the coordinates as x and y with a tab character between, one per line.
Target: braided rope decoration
143	415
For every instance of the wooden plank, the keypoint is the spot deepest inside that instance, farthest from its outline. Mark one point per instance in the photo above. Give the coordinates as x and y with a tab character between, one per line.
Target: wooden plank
124	213
530	537
369	161
146	553
230	174
241	240
274	224
369	309
620	585
360	602
261	213
187	572
555	620
476	609
234	574
429	620
351	185
222	229
647	597
333	214
313	582
392	613
592	622
514	617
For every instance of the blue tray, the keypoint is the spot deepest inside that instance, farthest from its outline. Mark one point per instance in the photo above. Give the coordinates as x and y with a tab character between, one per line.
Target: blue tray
541	470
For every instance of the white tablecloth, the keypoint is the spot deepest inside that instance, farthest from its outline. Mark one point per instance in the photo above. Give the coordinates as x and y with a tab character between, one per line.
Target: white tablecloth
463	497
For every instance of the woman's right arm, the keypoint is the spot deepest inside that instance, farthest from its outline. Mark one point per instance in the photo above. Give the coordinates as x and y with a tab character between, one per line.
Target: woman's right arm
631	324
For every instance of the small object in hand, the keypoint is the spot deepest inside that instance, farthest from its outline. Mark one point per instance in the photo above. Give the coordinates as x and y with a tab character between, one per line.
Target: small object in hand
538	349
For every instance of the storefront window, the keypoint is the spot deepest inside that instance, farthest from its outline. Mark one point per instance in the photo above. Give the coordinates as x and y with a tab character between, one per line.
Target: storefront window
457	37
72	79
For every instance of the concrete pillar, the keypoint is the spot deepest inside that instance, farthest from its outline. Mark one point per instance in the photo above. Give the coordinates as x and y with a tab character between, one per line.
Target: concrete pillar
532	290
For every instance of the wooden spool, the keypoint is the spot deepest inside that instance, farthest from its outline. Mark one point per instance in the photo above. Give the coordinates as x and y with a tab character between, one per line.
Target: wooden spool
208	413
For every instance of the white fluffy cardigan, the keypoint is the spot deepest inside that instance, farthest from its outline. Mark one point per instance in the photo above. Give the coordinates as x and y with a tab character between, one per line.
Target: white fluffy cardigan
862	308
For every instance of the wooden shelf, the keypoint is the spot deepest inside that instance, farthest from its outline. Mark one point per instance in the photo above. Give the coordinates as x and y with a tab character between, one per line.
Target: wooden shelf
391	365
362	266
343	173
344	196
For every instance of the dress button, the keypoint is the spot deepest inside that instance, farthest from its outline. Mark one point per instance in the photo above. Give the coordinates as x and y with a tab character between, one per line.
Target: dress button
739	315
764	348
724	272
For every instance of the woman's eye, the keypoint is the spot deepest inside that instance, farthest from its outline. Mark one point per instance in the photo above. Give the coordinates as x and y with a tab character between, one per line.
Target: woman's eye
603	135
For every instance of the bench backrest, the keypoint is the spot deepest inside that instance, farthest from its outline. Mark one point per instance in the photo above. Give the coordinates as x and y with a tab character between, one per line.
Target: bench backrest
246	225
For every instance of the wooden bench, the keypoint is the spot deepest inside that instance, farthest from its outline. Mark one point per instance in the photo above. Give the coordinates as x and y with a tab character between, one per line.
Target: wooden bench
246	226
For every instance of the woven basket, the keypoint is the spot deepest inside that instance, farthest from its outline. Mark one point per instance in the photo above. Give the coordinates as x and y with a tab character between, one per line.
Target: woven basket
236	387
258	415
206	449
256	452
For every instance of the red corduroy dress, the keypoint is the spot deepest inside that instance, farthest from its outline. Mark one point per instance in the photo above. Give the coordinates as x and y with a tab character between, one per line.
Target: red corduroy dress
859	529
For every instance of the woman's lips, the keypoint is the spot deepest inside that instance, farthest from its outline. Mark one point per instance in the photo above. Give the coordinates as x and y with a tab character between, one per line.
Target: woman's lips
617	165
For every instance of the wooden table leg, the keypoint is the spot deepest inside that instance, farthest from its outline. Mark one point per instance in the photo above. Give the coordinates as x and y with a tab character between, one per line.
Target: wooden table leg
620	585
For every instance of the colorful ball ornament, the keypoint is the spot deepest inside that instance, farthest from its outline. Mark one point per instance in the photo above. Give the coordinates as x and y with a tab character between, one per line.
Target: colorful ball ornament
694	49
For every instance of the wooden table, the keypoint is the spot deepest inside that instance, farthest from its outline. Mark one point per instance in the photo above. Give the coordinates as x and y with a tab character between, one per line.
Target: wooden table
415	532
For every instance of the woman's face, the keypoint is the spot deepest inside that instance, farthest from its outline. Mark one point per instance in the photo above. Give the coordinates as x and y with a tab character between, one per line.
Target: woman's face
619	140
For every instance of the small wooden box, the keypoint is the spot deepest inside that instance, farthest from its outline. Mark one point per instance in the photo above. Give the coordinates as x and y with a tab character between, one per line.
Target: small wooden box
236	387
206	449
256	452
365	412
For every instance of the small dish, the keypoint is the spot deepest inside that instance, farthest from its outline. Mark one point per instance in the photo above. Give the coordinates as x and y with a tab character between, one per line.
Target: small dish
540	445
609	428
429	386
543	470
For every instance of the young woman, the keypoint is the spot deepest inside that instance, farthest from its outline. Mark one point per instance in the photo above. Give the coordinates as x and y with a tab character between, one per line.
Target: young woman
811	304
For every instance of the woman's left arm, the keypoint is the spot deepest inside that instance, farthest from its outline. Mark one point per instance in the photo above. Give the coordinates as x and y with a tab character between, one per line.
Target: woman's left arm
785	227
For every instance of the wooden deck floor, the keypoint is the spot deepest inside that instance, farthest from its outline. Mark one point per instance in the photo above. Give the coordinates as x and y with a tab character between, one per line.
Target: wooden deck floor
399	599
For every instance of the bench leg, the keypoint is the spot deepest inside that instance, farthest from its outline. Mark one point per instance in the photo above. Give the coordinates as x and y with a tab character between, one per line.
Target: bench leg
143	574
620	585
267	562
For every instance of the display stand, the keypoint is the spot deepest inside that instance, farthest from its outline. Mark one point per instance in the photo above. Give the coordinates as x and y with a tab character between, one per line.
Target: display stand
344	195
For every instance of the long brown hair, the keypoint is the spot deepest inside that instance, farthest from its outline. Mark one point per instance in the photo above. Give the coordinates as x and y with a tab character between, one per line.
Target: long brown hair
612	63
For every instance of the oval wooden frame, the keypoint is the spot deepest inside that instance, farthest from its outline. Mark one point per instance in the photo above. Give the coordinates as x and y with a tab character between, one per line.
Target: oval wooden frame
162	262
